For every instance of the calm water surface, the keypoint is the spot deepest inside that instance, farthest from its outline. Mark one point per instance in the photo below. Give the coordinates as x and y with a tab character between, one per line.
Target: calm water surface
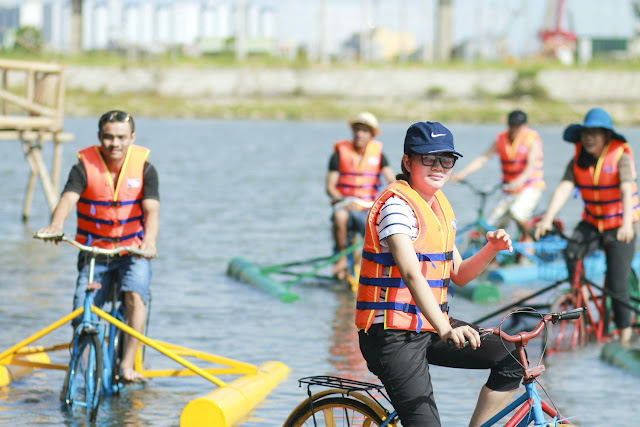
251	189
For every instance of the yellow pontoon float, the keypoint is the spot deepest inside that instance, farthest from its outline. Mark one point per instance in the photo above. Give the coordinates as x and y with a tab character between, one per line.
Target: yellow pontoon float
227	405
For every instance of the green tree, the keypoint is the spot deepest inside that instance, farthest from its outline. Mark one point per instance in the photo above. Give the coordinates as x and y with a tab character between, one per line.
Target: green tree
28	38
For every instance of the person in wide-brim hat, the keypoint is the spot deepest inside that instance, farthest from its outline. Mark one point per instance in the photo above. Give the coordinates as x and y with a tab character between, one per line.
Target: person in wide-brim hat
602	168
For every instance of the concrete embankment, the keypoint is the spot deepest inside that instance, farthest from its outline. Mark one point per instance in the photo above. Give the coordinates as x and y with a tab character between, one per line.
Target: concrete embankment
619	91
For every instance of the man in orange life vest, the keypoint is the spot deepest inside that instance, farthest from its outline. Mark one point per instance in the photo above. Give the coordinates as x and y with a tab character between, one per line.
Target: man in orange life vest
520	152
115	192
603	169
353	182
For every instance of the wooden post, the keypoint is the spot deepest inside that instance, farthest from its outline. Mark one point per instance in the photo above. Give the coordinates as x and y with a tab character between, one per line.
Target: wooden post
42	105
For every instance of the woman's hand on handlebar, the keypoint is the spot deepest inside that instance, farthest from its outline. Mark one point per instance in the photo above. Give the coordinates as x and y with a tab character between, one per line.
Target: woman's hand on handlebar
461	334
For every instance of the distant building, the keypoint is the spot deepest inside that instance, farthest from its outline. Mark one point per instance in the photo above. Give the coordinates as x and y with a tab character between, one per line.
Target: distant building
142	24
380	44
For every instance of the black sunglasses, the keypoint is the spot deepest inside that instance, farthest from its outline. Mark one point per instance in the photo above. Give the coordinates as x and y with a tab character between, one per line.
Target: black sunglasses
446	160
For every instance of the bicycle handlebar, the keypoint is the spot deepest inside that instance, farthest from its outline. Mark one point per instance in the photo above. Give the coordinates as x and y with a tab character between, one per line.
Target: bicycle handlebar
526	336
523	337
351	200
95	250
478	191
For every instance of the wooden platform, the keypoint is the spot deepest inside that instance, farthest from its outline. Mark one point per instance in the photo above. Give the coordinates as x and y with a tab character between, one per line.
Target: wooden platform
32	111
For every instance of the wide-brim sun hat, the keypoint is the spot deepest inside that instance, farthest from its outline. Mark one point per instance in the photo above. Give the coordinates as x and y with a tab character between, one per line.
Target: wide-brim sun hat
429	138
367	119
595	118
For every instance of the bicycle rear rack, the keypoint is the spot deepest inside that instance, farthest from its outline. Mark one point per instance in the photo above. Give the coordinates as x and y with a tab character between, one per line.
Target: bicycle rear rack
343	383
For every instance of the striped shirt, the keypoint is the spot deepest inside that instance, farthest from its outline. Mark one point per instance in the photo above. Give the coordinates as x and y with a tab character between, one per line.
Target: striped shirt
395	217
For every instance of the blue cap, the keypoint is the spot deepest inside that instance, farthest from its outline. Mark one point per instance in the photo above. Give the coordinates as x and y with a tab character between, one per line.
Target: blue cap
595	118
428	138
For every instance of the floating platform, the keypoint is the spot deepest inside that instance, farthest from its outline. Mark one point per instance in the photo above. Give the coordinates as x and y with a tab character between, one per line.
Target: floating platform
245	271
18	365
622	357
227	406
595	267
478	292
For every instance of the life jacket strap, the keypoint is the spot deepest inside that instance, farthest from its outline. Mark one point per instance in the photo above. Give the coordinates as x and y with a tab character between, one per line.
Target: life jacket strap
114	203
386	258
90	237
397	282
109	222
397	306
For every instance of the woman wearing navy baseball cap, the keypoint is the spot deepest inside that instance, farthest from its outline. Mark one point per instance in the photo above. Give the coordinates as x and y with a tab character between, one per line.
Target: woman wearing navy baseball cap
409	261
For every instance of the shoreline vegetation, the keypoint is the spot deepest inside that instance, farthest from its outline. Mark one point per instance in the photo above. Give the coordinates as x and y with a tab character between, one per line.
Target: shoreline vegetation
83	103
502	87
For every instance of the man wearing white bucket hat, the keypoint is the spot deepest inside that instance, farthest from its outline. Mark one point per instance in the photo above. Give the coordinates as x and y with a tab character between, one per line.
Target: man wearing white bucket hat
604	172
353	181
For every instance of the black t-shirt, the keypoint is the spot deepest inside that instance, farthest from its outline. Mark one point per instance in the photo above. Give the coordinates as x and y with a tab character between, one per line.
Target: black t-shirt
334	161
77	181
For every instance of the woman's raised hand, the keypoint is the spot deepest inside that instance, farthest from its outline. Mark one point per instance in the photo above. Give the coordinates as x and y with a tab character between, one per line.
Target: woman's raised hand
499	240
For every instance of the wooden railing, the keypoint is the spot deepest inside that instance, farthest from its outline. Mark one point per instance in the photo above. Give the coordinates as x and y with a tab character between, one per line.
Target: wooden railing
32	112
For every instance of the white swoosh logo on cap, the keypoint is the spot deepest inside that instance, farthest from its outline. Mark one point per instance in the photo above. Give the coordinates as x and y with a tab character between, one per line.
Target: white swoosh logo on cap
435	135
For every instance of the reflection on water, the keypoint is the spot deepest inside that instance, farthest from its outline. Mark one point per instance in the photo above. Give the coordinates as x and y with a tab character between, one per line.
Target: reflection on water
251	189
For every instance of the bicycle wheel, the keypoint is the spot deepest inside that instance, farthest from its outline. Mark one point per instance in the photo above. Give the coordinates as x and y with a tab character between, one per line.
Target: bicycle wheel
83	383
334	412
568	334
118	345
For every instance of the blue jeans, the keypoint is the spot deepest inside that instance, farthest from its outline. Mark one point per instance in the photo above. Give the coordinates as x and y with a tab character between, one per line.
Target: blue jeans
131	274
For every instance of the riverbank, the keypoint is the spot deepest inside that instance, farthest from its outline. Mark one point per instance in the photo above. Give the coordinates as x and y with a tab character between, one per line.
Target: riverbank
407	94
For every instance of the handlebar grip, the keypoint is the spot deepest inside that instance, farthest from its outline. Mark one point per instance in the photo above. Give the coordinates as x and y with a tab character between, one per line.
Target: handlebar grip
571	314
48	236
464	344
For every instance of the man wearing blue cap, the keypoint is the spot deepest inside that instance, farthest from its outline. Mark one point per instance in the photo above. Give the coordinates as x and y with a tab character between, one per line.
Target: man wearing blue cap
604	172
409	260
519	149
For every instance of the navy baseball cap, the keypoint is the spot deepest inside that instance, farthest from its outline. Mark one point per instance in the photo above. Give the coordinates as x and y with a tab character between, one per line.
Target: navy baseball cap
517	117
429	138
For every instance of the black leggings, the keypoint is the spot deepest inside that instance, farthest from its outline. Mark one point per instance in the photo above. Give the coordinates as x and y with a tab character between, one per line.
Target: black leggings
619	256
401	360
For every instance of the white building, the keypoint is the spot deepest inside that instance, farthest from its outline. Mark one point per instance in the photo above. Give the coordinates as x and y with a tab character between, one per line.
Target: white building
146	24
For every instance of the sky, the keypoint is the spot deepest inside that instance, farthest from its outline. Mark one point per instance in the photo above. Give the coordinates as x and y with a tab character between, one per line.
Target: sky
517	22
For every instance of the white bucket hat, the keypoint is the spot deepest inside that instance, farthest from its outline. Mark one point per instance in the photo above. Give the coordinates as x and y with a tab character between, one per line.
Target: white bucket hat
368	119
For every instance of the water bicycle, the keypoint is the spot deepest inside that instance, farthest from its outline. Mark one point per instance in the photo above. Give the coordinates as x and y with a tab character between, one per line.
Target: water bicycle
279	279
92	372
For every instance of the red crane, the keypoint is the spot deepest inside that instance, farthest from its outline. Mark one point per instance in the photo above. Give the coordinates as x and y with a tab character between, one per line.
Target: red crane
556	42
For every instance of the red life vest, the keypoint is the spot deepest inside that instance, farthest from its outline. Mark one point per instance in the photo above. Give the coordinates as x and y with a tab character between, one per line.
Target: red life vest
434	249
359	176
599	187
513	158
110	216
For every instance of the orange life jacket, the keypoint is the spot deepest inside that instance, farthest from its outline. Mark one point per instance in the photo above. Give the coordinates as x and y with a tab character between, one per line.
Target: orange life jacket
359	177
110	216
434	249
513	158
600	187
